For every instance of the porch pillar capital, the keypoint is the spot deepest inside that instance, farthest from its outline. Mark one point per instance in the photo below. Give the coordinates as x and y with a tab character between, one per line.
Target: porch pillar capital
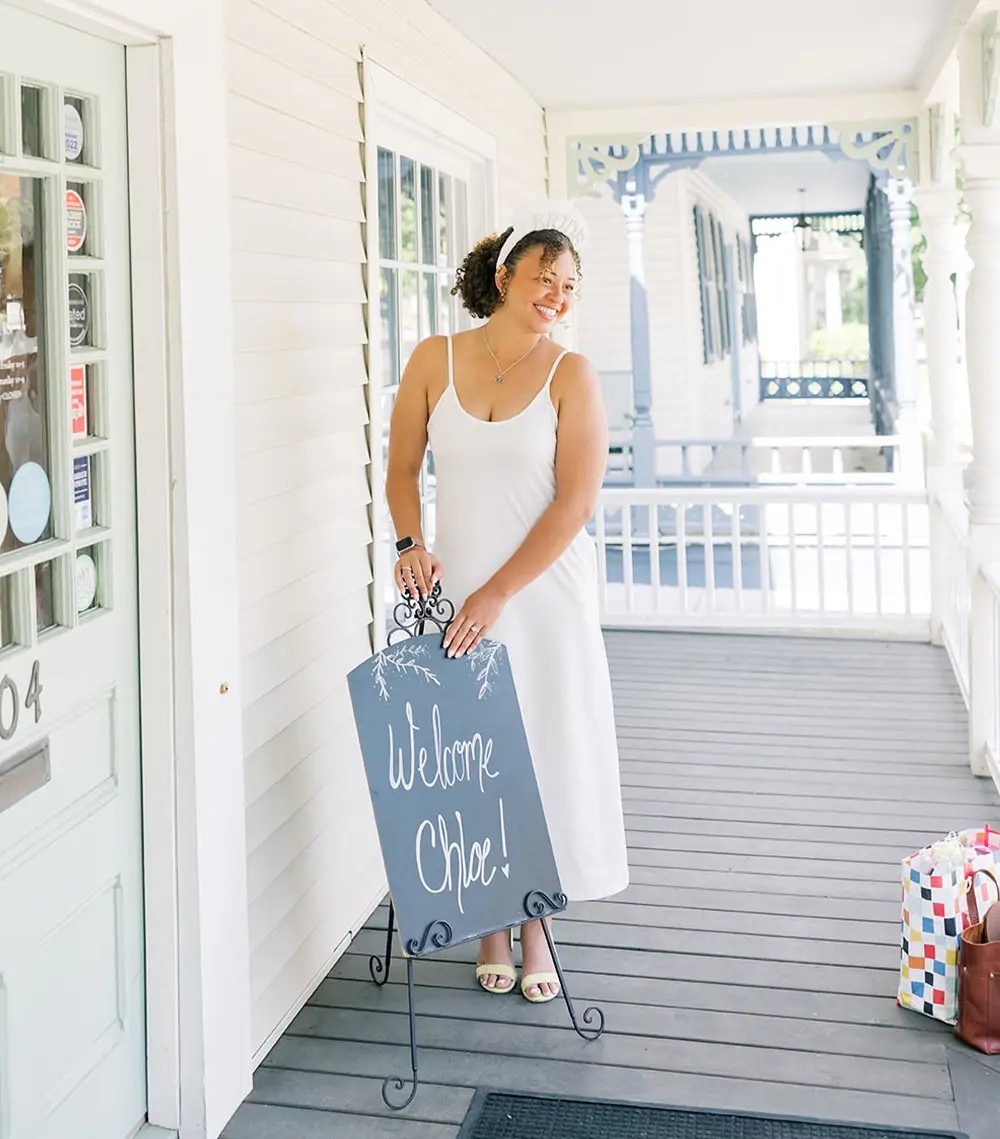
889	147
590	161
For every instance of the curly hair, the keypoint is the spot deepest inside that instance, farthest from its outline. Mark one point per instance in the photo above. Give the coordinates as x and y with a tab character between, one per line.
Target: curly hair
475	280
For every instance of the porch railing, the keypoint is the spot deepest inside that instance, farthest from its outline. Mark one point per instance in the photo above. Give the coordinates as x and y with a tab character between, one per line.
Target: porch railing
783	559
793	459
991	579
814	379
951	522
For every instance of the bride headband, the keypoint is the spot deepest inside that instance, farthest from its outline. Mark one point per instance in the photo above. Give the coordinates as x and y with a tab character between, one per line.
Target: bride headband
560	216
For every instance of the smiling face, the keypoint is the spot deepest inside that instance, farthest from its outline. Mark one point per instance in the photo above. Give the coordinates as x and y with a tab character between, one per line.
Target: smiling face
541	288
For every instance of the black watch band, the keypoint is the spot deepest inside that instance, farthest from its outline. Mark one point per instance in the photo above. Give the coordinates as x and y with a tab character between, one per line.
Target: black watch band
407	543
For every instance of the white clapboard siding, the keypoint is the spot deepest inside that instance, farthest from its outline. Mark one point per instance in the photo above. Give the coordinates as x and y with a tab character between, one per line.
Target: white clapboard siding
603	316
674	311
300	321
273	376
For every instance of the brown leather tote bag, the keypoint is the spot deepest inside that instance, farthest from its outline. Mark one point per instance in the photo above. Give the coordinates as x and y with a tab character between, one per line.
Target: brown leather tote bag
979	977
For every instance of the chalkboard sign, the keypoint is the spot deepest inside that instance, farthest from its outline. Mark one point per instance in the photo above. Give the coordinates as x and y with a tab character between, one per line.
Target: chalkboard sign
452	784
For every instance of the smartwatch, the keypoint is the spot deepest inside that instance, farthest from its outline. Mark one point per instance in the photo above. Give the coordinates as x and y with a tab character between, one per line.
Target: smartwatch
407	543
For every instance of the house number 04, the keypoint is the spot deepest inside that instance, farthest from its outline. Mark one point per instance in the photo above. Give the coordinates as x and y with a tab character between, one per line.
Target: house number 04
10	701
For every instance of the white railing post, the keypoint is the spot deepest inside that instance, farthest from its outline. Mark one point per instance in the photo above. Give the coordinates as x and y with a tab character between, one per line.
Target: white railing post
937	202
982	672
979	155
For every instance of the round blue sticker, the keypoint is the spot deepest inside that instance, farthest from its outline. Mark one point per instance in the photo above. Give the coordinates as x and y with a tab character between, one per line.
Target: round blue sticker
29	502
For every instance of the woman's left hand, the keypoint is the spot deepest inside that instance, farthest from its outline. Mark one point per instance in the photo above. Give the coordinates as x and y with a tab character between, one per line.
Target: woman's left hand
477	616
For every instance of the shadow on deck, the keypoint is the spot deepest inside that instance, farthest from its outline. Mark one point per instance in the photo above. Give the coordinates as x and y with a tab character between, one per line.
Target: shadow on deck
771	787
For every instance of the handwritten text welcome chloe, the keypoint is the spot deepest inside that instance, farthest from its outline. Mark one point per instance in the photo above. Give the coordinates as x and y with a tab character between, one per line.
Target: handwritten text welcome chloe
445	860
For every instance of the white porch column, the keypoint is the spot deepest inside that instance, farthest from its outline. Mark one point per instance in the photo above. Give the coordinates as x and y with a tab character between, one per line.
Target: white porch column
643	447
980	158
899	191
938	206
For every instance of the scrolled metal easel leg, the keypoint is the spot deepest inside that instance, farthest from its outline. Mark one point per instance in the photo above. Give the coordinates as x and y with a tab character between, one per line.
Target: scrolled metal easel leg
378	967
590	1015
397	1083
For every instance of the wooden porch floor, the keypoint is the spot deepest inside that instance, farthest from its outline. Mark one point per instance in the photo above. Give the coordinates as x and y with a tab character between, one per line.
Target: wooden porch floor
771	786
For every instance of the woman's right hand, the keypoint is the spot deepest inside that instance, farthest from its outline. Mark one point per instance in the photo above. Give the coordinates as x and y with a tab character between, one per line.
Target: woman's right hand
418	571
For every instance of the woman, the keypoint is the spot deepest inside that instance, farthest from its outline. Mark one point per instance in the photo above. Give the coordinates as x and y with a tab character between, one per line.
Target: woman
520	445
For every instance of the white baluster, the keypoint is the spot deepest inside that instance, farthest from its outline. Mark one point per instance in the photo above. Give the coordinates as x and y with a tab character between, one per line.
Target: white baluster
849	555
708	545
877	554
737	554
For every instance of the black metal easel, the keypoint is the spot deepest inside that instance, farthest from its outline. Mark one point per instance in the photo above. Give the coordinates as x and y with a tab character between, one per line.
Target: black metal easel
411	617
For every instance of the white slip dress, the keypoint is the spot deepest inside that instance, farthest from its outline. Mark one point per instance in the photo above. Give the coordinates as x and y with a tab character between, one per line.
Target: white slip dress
494	481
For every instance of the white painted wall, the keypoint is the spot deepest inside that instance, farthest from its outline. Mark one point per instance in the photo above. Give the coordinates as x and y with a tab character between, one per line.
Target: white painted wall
691	399
298	267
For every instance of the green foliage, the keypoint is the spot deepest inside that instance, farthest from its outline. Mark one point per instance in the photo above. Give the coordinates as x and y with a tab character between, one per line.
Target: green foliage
849	342
919	248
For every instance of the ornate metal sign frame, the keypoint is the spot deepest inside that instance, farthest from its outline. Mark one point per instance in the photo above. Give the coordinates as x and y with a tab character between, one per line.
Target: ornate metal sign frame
412	616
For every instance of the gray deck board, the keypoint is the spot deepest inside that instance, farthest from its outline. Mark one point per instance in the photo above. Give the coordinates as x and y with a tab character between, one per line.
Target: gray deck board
771	786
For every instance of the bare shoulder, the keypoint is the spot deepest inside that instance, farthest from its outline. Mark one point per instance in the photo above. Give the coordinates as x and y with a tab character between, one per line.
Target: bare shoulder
576	378
428	355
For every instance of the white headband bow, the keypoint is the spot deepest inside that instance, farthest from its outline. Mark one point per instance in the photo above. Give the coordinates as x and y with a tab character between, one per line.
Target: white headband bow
560	216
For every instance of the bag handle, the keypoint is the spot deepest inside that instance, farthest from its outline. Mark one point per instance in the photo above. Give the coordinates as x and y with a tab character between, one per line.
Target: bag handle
970	886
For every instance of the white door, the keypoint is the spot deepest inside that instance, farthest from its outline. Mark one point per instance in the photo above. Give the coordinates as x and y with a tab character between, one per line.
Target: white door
72	1036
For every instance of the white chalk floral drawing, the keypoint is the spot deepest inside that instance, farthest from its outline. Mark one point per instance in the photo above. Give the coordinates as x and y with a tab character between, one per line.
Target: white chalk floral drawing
401	660
485	662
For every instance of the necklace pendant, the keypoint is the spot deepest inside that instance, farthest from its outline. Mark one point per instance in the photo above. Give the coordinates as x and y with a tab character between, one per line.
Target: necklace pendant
500	378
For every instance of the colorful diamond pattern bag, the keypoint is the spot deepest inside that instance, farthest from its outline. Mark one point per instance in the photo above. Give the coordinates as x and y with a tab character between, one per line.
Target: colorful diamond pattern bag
937	882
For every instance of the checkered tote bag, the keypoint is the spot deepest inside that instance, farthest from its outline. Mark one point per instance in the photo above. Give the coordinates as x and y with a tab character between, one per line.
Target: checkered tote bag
936	885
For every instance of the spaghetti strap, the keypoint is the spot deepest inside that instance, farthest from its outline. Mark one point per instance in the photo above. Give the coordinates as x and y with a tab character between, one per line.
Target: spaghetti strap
552	370
451	364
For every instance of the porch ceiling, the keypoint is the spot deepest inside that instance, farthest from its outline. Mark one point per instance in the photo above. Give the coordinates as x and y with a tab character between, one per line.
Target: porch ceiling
770	184
665	51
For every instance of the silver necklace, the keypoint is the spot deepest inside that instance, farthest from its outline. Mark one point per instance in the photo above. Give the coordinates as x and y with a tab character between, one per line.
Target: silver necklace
501	372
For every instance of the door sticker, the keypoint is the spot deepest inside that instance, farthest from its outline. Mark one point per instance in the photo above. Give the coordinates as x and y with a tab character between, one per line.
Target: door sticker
30	502
78	399
76	221
72	133
86	582
81	494
79	315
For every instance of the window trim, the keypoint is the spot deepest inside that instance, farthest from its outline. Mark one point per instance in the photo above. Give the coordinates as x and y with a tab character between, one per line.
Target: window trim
400	117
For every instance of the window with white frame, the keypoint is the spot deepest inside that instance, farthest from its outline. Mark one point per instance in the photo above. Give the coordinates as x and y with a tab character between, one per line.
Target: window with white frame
748	296
423	219
713	286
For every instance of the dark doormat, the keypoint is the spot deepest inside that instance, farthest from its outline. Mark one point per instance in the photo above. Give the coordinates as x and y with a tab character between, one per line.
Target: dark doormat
498	1115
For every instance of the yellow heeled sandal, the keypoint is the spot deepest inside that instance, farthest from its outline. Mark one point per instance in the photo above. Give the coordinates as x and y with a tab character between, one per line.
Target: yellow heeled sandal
531	979
498	970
